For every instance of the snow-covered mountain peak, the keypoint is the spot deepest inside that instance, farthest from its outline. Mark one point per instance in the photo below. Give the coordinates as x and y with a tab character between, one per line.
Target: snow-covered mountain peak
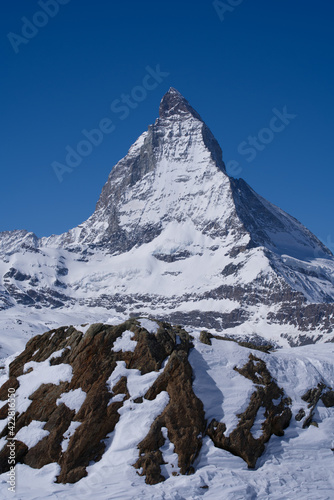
173	232
174	105
10	241
179	119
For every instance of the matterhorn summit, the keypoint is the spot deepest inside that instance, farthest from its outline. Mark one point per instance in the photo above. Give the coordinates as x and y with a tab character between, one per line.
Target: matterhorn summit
174	236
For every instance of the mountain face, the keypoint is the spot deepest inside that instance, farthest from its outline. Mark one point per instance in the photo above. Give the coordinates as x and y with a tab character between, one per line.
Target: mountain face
173	235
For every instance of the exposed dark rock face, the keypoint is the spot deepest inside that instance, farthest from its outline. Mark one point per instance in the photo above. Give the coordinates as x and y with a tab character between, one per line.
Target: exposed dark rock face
328	398
214	320
261	219
17	275
310	316
183	417
312	397
46	297
231	269
93	360
172	257
205	338
241	442
173	103
300	415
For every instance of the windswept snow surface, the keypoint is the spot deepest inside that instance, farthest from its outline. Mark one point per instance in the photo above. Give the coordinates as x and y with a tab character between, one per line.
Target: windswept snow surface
42	373
298	465
73	399
151	326
32	433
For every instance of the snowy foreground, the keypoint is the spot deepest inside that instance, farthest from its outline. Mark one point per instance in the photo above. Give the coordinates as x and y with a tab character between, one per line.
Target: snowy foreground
297	466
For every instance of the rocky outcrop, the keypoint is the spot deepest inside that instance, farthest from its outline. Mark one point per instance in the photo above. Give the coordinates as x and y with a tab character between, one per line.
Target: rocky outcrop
76	390
205	337
275	406
183	417
92	359
312	397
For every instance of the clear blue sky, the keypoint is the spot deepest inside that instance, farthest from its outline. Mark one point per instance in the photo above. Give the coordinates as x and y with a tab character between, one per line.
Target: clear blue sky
262	55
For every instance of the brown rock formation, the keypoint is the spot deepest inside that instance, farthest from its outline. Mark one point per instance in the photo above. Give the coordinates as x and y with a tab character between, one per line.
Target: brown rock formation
92	360
241	441
183	417
312	397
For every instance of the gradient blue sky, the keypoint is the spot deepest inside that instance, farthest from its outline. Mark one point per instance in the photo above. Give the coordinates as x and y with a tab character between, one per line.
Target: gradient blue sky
263	55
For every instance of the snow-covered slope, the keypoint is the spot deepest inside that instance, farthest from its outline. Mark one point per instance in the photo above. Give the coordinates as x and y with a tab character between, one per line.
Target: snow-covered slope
173	233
